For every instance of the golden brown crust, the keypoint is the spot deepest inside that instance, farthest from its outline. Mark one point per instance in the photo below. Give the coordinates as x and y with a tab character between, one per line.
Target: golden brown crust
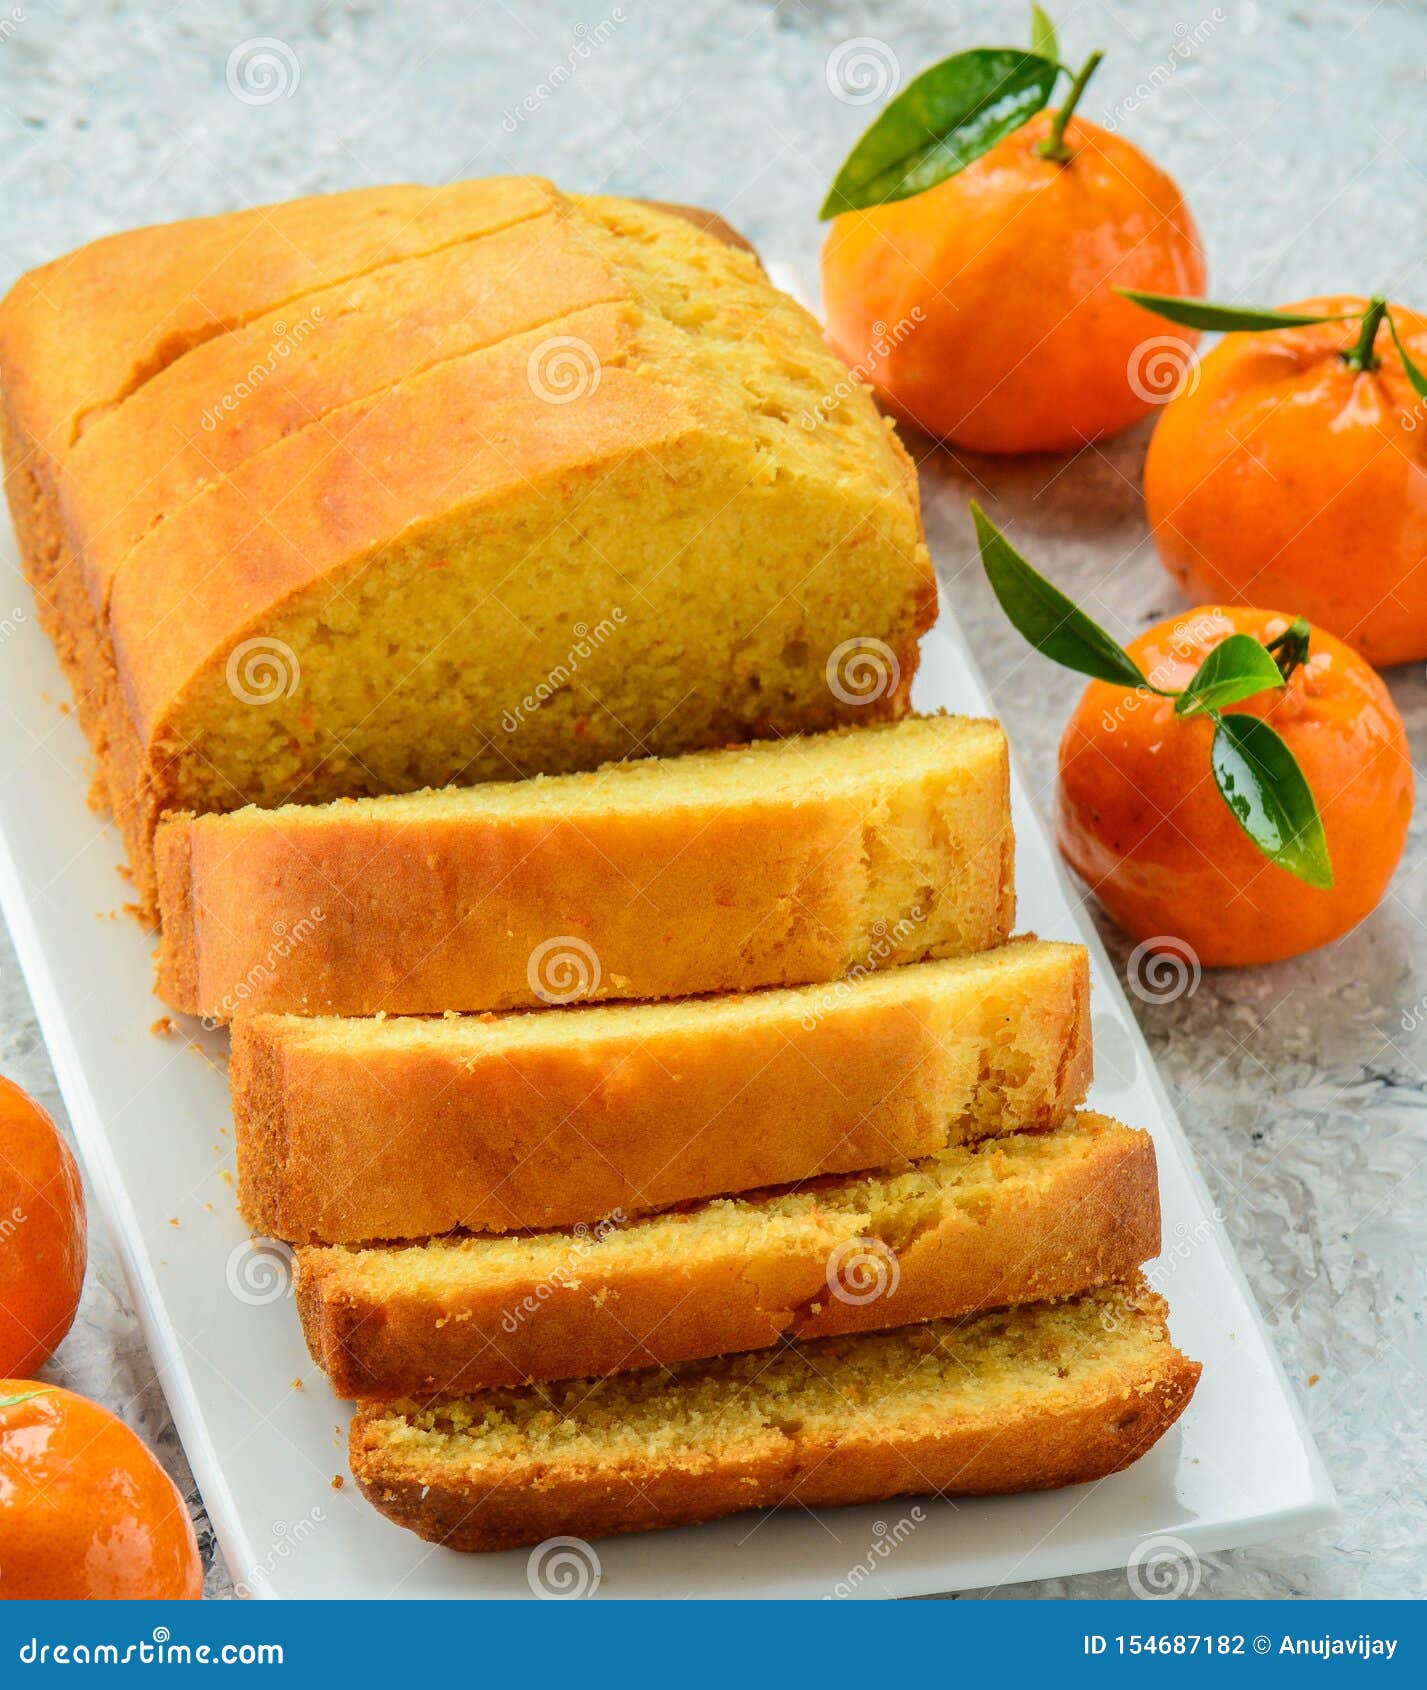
81	333
87	351
1049	1440
357	909
176	960
459	1127
1094	1220
123	778
1042	1449
241	394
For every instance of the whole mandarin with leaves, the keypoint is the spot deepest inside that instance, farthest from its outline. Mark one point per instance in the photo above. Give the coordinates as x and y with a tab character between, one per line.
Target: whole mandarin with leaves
983	310
85	1510
1140	818
42	1233
1292	469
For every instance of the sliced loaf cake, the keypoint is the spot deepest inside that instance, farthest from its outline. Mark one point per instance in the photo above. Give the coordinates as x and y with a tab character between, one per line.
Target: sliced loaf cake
645	511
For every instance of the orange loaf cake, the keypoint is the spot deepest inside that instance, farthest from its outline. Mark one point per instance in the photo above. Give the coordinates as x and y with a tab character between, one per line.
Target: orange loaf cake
411	487
358	1129
1021	1399
783	862
1009	1220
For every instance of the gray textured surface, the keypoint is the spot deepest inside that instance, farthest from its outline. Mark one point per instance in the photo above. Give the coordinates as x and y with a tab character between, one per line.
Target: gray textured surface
1299	135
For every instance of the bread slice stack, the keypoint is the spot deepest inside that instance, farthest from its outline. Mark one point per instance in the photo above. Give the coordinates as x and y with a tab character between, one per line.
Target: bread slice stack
493	613
613	1263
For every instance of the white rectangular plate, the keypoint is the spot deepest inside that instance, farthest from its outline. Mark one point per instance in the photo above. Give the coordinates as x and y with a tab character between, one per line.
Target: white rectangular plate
151	1115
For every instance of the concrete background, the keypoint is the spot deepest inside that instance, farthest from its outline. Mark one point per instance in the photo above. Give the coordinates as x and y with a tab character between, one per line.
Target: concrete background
1299	135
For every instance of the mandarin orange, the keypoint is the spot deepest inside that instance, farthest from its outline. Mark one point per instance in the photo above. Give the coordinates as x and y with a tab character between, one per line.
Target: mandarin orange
983	309
1282	475
1141	821
85	1510
42	1233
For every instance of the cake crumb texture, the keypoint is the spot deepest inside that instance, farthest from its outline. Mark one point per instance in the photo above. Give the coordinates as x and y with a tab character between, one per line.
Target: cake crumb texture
1025	1398
1008	1220
402	1127
778	863
633	507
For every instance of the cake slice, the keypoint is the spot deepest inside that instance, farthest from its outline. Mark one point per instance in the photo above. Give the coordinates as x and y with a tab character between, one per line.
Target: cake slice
359	1129
1023	1399
1009	1220
785	862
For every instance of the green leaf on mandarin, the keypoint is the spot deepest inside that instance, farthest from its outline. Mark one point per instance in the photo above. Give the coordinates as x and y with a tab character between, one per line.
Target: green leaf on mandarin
25	1396
1265	789
1235	669
942	121
1414	375
1043	615
1044	42
1230	319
